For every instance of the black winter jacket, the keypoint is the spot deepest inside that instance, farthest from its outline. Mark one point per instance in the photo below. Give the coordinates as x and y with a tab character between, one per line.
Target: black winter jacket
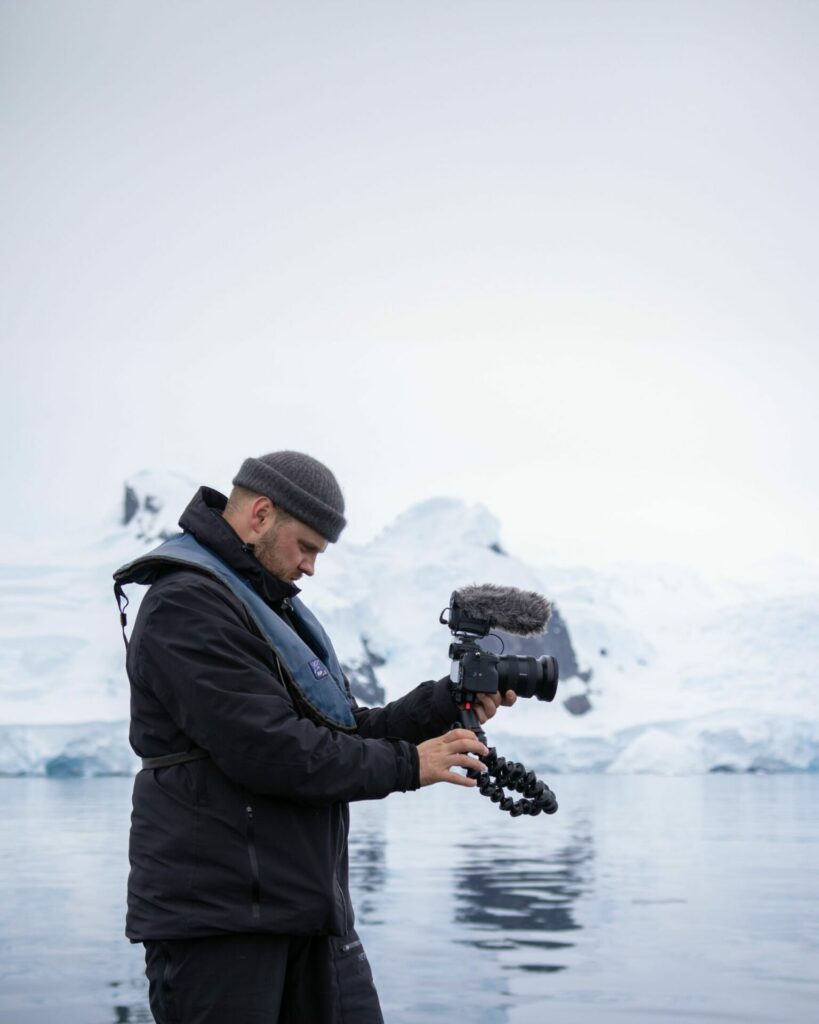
253	838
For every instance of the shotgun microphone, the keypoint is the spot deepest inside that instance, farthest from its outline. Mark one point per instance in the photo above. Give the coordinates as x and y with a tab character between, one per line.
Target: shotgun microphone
481	607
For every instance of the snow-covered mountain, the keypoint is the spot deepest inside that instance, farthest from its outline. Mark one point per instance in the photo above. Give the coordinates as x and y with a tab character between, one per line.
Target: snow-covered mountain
659	670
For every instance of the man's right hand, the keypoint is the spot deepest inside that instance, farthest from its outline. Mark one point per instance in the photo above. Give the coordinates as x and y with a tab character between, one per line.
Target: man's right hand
436	757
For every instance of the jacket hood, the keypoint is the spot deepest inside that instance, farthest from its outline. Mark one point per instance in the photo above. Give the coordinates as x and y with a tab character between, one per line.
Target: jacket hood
203	518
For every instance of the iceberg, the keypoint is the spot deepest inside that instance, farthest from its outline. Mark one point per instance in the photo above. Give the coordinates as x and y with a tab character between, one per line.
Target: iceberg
661	671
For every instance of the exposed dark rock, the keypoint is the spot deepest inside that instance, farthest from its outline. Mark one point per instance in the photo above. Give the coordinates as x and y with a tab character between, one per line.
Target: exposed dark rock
142	513
131	505
497	549
364	684
577	705
375	659
363	680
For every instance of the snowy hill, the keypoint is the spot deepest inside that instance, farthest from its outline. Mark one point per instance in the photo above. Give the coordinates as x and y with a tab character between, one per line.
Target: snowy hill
660	671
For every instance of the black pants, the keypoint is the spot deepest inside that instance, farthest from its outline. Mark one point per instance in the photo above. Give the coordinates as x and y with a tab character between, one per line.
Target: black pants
261	979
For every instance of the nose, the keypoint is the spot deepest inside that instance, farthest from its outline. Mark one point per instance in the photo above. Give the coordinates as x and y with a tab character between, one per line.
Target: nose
308	565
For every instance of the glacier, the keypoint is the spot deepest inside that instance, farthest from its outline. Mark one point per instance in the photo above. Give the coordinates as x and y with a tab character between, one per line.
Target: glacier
662	671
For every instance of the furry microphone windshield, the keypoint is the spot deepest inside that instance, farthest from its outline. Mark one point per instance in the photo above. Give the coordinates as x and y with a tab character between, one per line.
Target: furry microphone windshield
522	612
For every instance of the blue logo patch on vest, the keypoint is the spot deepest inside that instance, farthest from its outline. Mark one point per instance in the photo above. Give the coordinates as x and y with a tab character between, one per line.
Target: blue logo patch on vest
318	669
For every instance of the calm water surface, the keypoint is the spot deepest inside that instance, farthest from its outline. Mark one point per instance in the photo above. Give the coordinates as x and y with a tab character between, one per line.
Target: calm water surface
643	899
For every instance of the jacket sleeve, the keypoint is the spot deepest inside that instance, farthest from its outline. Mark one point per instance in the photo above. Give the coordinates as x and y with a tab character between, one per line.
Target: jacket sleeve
424	712
217	680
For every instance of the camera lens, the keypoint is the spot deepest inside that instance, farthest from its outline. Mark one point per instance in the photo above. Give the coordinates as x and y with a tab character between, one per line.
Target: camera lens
528	677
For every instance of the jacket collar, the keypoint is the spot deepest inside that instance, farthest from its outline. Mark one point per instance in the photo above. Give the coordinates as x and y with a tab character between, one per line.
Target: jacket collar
203	518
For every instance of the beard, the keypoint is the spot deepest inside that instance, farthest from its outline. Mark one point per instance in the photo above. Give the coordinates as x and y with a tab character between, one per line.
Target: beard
266	551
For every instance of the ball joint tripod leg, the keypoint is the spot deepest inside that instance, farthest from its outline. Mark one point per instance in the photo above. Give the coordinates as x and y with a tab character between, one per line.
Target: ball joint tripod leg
536	795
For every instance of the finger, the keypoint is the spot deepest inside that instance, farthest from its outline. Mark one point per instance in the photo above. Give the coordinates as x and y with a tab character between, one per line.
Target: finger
472	764
509	698
458	780
458	737
487	706
468	746
458	734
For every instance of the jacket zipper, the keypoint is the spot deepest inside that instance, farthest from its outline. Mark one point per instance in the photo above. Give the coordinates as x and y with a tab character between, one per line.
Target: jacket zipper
338	883
254	862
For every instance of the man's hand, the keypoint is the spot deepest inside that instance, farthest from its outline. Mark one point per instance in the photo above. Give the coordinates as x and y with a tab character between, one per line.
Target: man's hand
488	703
436	757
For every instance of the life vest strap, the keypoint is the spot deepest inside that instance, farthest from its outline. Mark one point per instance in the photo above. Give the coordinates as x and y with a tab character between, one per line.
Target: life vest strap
122	604
166	760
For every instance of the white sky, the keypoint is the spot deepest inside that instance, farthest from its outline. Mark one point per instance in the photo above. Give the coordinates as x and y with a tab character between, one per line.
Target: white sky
560	258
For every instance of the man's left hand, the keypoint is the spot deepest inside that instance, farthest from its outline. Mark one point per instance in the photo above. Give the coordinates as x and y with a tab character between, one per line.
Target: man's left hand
488	703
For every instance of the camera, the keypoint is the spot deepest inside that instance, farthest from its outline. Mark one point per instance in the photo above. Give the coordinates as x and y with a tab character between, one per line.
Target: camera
475	670
473	611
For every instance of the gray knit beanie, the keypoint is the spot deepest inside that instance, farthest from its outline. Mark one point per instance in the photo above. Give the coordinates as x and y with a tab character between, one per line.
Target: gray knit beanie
300	485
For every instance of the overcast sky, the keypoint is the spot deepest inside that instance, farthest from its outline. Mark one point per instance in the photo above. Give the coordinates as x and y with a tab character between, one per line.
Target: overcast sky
556	257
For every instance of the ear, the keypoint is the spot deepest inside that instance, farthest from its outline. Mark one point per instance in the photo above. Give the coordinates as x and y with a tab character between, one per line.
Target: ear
262	514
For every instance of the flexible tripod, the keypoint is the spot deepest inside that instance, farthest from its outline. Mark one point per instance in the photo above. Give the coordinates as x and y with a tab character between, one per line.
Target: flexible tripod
536	795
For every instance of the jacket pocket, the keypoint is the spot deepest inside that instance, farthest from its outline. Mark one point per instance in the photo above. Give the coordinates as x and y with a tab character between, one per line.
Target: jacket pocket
357	998
158	970
196	777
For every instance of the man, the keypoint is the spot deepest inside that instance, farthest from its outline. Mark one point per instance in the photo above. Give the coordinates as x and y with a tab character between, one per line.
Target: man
252	747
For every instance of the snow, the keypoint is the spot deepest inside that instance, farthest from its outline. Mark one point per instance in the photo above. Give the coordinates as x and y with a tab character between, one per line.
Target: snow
687	675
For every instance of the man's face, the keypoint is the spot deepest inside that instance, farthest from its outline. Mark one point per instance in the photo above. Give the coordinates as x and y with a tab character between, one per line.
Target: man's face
289	549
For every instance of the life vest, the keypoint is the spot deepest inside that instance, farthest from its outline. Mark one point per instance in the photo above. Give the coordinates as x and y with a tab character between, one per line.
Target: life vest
311	664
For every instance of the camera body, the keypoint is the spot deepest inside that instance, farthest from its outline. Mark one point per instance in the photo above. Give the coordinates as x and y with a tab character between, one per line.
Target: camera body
474	670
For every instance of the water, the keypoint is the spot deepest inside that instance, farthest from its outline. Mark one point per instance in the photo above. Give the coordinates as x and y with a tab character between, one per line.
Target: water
642	899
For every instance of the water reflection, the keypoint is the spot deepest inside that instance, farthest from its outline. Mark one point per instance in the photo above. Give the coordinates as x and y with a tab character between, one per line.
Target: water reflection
368	868
605	911
130	1007
509	899
132	1015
